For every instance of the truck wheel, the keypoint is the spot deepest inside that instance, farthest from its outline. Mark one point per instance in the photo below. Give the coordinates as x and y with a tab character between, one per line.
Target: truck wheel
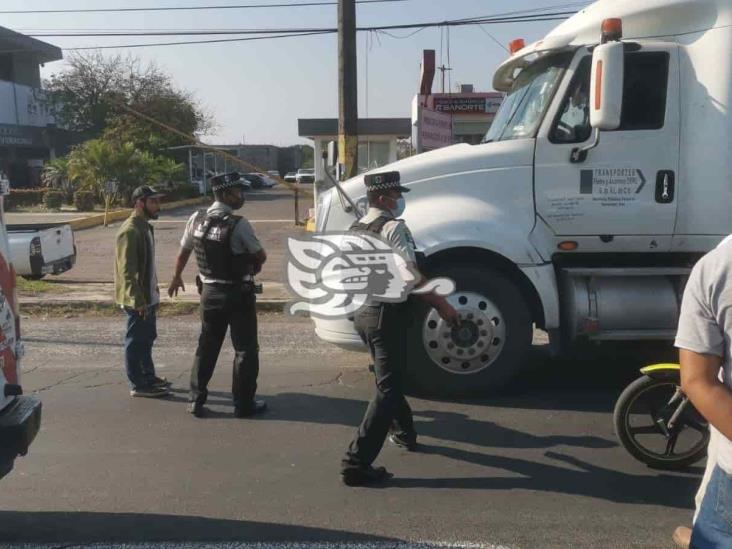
485	352
33	277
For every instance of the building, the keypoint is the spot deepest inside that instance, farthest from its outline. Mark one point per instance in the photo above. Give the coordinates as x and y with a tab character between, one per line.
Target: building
377	140
254	158
28	134
442	119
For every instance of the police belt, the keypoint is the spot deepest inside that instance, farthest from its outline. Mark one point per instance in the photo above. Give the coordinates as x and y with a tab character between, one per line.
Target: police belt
247	286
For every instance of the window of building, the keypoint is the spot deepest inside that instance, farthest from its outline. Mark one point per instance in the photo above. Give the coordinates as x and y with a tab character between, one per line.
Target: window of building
645	87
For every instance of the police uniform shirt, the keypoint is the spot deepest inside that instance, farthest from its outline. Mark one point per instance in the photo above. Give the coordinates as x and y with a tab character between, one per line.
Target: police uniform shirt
243	240
395	232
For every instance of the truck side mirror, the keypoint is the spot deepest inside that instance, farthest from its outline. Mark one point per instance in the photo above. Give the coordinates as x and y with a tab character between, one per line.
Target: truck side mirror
606	86
332	153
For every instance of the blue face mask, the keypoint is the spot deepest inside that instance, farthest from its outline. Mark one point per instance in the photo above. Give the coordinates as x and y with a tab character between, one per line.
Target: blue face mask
399	207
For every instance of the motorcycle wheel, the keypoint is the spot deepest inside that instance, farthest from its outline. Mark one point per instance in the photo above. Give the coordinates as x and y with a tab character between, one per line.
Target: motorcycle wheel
642	410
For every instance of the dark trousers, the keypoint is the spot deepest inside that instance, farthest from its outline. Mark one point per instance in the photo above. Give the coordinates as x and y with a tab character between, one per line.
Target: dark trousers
224	306
383	329
139	338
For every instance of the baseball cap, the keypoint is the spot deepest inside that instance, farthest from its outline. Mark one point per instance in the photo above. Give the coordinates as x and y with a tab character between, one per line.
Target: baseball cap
145	191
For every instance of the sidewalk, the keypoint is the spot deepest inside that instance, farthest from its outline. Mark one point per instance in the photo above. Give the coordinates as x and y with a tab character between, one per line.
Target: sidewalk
273	297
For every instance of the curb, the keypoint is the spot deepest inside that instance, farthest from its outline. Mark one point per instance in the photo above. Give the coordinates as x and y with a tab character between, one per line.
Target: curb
88	222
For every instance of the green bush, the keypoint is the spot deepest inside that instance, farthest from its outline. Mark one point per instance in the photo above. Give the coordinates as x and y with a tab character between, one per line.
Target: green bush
52	200
84	201
22	198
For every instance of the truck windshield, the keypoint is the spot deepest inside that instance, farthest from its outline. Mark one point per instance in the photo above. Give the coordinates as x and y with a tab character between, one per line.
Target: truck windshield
524	106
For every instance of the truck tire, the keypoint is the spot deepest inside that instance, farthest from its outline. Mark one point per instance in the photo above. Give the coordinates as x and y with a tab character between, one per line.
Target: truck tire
33	277
489	348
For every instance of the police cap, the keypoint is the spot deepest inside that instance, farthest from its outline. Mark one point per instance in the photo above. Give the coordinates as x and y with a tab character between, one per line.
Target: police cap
226	181
384	181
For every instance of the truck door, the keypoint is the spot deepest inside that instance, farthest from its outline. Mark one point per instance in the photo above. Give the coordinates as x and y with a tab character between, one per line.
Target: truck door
628	184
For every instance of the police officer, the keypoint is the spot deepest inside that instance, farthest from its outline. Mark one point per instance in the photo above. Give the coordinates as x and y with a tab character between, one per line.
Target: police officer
382	327
228	254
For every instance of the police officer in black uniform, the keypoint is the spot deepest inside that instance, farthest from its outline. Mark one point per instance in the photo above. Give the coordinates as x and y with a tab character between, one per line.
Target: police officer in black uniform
382	326
228	254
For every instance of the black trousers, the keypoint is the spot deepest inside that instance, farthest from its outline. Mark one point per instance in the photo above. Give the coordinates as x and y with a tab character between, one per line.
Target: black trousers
383	329
224	306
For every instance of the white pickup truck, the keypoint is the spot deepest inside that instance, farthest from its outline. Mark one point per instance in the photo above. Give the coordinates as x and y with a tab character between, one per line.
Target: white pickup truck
605	176
41	249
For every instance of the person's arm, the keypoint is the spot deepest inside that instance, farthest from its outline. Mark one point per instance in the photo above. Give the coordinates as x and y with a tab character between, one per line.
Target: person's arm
127	252
180	264
446	311
244	243
700	382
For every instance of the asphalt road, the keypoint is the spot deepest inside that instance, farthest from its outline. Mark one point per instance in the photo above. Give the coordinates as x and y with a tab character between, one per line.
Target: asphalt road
271	212
535	467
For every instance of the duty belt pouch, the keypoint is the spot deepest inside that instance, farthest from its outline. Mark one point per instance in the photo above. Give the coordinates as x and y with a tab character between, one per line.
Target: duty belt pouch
199	284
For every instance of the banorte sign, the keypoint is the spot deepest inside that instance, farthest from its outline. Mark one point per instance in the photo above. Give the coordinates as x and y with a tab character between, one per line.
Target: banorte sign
487	103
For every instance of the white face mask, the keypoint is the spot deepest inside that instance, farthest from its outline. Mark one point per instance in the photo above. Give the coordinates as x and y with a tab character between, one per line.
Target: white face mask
399	207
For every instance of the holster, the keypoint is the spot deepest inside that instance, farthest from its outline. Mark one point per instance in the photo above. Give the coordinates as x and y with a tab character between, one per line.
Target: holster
199	284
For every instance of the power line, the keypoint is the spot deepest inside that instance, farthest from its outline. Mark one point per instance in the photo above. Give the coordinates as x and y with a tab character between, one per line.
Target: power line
208	32
214	41
191	8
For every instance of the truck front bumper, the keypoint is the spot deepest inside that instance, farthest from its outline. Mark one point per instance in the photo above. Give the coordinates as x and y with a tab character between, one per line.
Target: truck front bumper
19	425
339	332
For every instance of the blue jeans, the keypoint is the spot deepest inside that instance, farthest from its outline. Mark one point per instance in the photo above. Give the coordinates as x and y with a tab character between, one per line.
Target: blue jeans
139	339
713	526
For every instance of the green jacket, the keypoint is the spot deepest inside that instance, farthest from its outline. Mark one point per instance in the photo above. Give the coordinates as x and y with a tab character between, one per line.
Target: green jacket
133	261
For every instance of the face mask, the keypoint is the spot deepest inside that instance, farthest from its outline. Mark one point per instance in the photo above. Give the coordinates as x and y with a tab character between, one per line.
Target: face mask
399	206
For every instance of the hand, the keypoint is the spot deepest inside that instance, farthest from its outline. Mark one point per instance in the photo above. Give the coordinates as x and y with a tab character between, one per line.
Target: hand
141	312
448	314
175	285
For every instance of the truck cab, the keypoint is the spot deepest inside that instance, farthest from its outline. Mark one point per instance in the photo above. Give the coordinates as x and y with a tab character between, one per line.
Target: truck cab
603	179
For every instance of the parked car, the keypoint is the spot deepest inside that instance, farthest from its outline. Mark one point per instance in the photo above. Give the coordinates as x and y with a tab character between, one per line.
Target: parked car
20	416
269	181
291	177
305	175
259	180
37	250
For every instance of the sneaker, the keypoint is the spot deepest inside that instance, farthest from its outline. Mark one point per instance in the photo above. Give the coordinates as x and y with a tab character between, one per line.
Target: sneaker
160	382
403	440
149	392
196	409
682	537
250	409
363	476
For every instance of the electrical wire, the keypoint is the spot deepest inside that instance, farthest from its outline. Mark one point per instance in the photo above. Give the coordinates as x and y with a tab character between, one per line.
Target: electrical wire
190	8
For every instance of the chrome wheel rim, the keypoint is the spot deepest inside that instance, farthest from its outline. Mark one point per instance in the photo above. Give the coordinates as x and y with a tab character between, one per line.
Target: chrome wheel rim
475	344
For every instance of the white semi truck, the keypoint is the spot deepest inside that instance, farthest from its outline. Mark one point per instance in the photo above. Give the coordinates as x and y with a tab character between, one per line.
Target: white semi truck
606	174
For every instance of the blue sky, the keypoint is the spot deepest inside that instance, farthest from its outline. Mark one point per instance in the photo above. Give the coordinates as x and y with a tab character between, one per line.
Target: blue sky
256	91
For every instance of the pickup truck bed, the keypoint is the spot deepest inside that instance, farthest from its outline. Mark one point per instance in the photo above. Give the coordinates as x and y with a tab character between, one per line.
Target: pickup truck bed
40	249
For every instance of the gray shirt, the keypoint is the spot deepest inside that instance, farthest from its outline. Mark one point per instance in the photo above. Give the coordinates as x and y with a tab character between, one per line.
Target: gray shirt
395	232
705	324
243	240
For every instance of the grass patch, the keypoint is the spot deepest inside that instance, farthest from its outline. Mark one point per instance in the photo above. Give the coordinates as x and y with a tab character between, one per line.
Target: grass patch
99	309
36	287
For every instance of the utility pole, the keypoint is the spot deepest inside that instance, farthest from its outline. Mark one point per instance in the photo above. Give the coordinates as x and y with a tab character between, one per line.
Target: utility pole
347	88
444	69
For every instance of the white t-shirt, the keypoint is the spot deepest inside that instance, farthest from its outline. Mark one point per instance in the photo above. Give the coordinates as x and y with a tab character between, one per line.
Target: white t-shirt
705	325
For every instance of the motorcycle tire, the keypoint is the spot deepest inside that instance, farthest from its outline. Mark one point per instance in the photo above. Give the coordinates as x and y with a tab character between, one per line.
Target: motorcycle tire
621	417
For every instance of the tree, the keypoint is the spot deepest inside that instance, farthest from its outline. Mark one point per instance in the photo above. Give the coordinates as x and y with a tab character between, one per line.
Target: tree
91	94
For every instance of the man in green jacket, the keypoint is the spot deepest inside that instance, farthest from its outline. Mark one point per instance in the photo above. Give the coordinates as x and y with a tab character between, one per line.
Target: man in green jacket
136	291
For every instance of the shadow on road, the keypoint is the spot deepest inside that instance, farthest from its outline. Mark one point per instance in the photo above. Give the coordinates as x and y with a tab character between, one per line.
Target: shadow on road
574	477
82	527
448	426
